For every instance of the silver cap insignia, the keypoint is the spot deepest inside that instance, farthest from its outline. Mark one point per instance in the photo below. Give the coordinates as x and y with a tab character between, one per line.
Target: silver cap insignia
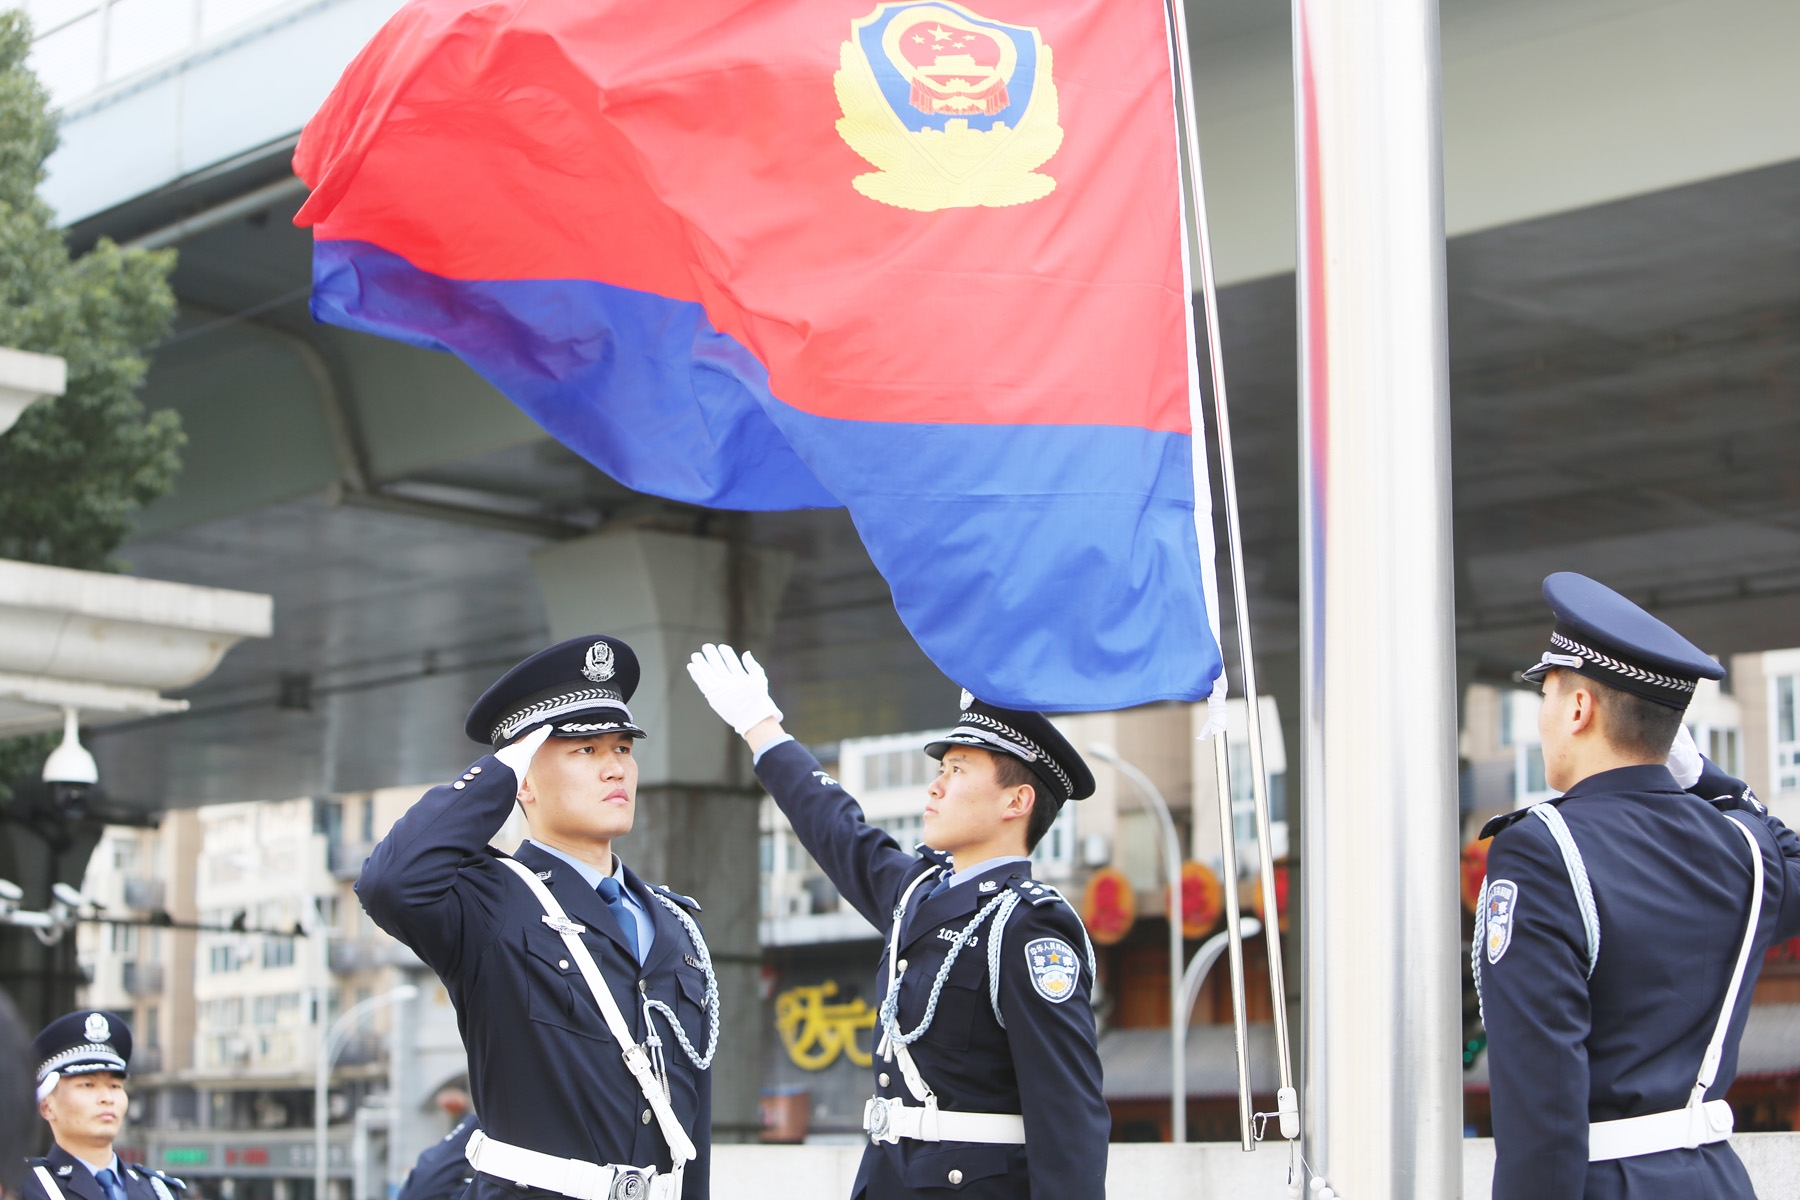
97	1029
599	664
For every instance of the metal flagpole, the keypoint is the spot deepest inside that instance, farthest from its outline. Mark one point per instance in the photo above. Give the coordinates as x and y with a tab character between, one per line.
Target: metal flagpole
1287	1104
1235	936
1381	995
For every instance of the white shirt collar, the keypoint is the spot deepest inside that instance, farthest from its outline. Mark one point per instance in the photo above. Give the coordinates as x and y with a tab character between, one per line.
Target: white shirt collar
587	871
112	1166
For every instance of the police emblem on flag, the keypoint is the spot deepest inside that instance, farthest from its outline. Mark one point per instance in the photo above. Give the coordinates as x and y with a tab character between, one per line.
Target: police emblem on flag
1054	968
1502	902
955	110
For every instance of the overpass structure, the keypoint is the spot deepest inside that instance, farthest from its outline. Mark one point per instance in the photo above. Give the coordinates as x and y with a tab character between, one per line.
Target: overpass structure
1622	196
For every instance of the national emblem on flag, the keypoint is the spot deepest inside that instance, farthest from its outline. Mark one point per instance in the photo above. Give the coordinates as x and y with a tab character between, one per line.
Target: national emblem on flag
956	110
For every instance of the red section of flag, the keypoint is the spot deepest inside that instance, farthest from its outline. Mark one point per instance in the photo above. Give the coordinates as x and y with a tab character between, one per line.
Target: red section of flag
693	151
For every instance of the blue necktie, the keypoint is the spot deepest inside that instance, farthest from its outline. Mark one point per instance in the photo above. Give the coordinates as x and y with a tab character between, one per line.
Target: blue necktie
943	885
109	1183
614	895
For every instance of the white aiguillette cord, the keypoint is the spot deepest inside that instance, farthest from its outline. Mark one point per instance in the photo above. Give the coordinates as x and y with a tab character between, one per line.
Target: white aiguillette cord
892	1047
680	1145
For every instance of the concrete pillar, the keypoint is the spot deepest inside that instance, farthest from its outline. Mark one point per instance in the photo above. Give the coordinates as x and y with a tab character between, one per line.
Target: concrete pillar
696	829
39	850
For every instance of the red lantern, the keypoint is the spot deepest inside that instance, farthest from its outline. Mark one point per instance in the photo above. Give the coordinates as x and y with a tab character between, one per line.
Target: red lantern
1202	900
1108	906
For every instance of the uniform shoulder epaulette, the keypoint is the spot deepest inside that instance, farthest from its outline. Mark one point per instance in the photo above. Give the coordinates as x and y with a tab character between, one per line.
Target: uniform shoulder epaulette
1507	820
1744	802
687	902
932	856
177	1184
37	1162
1037	891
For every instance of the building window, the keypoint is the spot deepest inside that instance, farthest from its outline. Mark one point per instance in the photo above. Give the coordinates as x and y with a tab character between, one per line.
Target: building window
1722	748
222	959
124	939
278	952
898	768
368	815
1787	734
1506	718
1057	850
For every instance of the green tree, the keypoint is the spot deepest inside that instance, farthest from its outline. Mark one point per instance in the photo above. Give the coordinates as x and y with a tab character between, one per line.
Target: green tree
75	469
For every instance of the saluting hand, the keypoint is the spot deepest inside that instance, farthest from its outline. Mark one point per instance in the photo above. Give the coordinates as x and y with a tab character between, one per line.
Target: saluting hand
737	688
518	755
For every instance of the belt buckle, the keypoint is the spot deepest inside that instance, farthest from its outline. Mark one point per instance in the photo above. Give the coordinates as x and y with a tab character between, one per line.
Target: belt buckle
878	1121
632	1183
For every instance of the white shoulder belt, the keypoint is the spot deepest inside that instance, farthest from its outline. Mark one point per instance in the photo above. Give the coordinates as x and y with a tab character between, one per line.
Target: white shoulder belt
497	1158
49	1182
1702	1121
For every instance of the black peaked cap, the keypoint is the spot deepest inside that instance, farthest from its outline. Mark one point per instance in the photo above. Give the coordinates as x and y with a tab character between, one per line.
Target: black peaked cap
580	687
1604	636
80	1043
1027	736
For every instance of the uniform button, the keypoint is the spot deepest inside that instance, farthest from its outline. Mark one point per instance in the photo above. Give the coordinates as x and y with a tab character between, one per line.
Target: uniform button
646	1117
901	965
459	785
468	777
474	770
882	1079
955	1178
562	964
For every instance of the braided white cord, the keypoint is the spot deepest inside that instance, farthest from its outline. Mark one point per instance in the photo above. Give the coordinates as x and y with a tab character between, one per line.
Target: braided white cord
1475	946
997	935
711	1003
1578	877
890	1005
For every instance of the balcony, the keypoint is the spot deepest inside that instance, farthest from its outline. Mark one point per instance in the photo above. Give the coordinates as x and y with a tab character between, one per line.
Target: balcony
145	895
345	859
146	1060
142	978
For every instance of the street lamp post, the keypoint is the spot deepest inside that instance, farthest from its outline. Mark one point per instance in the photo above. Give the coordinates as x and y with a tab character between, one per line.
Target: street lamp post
1171	852
331	1041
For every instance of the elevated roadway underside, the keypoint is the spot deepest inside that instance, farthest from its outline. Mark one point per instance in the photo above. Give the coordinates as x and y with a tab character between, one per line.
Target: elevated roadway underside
1624	391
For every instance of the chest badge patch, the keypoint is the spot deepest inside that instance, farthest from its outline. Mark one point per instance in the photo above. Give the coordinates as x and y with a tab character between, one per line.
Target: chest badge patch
1054	968
1502	903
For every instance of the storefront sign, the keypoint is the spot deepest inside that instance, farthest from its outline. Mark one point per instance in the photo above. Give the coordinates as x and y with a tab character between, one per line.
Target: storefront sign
1202	900
815	1032
1108	906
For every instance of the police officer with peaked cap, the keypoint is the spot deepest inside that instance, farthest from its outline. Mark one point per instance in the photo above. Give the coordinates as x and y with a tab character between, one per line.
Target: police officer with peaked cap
1621	927
81	1061
986	1059
585	996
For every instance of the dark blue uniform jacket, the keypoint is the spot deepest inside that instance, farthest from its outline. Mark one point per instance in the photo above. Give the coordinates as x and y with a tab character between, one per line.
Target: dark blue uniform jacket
1044	1064
76	1182
544	1071
1672	883
441	1172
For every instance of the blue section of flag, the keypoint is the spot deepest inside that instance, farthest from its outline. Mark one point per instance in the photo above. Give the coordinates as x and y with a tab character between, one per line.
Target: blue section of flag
1050	567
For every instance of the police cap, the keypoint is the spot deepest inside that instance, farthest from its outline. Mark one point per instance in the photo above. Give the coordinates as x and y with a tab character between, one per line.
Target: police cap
579	686
1604	636
80	1043
1027	736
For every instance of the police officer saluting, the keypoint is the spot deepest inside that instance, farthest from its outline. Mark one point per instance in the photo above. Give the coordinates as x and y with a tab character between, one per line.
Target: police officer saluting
585	997
987	1069
81	1094
1621	928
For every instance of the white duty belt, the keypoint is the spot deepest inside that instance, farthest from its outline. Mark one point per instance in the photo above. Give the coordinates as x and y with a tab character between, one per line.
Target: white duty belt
890	1118
569	1176
1702	1121
624	1182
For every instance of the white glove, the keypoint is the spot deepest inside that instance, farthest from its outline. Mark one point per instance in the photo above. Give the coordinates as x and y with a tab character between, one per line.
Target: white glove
518	755
738	690
1685	763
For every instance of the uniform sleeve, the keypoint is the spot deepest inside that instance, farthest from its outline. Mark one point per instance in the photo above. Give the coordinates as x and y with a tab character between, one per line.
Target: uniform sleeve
1716	786
419	884
1533	967
862	861
1055	1054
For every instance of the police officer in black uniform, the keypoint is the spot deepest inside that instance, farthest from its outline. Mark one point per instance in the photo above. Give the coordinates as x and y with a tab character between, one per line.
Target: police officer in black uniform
442	1171
81	1061
987	1068
1622	926
585	997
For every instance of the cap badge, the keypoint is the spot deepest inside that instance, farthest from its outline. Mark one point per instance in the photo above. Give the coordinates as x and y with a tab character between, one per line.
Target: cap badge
97	1029
968	698
599	664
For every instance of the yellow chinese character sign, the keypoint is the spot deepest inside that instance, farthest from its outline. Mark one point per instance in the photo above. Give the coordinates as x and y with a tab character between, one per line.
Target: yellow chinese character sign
815	1032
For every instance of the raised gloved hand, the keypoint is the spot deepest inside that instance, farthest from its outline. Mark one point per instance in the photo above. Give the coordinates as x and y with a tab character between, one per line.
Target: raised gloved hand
1685	763
737	689
518	755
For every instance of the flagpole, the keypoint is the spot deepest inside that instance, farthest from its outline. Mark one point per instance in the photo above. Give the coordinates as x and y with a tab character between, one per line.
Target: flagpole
1287	1103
